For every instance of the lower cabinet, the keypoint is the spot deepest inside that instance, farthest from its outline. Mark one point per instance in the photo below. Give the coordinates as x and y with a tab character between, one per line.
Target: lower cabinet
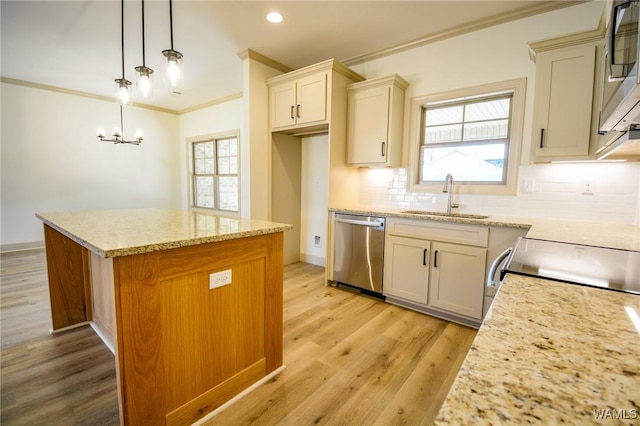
457	279
406	269
426	270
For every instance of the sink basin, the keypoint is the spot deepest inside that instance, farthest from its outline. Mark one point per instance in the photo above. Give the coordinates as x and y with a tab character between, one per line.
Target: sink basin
460	215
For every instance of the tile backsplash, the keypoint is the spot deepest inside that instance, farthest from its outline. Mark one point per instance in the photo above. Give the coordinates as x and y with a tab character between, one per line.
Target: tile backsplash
592	192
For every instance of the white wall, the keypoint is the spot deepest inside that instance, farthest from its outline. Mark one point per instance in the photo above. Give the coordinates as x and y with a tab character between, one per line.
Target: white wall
314	198
486	56
53	161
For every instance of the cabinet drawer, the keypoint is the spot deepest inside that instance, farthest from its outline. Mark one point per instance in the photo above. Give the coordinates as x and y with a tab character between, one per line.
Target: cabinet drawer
471	235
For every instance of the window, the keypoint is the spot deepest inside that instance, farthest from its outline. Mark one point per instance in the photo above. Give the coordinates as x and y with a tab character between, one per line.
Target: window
467	139
215	173
474	134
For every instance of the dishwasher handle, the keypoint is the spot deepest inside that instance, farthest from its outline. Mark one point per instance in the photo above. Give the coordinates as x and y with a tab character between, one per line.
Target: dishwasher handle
491	284
375	224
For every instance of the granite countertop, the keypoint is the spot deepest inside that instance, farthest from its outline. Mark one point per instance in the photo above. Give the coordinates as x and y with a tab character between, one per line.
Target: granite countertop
113	233
612	235
551	353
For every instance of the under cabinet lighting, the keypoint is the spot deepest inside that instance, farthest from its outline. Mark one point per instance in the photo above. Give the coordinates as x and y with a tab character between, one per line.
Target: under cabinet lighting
633	315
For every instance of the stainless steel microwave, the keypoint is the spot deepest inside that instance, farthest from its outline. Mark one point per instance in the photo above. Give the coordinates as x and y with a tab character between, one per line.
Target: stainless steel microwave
621	89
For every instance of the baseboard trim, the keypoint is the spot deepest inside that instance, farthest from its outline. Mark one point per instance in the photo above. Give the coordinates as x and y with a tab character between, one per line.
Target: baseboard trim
34	245
241	395
314	260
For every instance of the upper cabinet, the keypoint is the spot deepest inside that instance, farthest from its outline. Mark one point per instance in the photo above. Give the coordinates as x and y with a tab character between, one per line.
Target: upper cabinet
375	119
566	99
300	101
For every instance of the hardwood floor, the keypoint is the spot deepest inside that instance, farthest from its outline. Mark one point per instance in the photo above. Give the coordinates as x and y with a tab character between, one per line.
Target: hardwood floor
350	359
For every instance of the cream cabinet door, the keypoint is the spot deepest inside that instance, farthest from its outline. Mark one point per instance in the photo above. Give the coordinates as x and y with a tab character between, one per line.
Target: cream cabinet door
406	268
368	126
457	279
563	102
283	105
311	103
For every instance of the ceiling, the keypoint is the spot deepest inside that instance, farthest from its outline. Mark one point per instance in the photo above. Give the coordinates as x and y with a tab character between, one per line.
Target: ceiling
75	45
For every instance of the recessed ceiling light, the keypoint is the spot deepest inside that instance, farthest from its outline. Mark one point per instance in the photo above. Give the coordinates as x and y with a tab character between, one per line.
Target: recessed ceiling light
275	17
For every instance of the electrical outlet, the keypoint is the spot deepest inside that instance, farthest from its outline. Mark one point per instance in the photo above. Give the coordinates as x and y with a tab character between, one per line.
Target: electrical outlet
316	241
528	185
220	279
588	187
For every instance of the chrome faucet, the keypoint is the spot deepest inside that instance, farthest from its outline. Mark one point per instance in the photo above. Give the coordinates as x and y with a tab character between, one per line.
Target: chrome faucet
448	187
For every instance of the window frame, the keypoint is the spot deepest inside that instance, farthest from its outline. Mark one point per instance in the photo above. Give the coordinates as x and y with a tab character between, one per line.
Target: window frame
215	138
513	148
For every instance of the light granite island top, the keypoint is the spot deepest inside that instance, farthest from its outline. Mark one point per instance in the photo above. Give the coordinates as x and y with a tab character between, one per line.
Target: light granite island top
113	233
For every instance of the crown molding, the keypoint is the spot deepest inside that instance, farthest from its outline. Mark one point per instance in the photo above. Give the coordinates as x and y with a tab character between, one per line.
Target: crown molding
218	101
77	93
464	29
258	57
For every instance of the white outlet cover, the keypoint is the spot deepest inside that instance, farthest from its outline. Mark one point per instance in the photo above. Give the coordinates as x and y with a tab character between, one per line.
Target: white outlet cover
220	279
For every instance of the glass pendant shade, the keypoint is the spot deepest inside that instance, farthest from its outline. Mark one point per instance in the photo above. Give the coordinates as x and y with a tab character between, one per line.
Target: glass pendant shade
174	74
144	83
122	91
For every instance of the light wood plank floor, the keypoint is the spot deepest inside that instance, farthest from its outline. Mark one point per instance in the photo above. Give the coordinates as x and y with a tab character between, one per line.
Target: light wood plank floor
350	359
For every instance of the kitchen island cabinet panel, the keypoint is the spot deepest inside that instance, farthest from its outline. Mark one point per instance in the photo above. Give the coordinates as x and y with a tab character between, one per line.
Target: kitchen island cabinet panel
67	267
198	338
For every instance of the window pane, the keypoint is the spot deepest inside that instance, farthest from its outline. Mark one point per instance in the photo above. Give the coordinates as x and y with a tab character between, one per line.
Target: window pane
475	163
487	110
444	115
223	165
227	157
223	148
233	165
228	190
233	147
440	134
204	191
496	129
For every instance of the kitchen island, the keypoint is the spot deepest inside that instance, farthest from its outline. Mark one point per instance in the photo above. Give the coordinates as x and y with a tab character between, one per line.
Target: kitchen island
190	303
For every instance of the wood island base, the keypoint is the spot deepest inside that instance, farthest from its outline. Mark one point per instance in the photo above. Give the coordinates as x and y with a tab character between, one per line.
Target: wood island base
182	348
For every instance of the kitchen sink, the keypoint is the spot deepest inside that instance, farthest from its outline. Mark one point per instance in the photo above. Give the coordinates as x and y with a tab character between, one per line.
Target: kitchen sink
460	215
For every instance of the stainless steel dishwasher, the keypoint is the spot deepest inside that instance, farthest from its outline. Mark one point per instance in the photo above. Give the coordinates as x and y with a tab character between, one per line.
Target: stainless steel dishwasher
359	251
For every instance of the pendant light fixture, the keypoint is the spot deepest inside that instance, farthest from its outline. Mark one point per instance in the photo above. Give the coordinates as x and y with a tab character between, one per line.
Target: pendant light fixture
174	73
144	82
122	84
124	96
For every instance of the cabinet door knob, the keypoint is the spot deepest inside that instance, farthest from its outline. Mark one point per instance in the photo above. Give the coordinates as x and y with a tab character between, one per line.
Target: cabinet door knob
383	149
424	257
